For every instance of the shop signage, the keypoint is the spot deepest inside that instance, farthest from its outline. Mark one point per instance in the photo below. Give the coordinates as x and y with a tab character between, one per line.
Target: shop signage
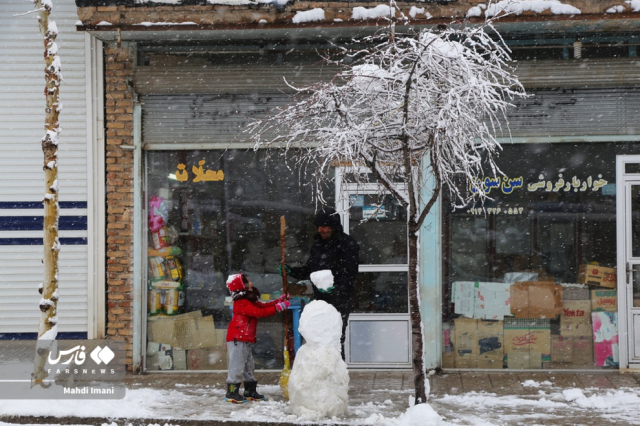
505	184
574	184
201	175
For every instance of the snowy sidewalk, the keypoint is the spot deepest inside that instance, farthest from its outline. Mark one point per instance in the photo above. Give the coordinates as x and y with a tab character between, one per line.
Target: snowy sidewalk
376	398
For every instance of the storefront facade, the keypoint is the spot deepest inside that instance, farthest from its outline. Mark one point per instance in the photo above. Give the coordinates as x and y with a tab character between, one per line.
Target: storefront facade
500	287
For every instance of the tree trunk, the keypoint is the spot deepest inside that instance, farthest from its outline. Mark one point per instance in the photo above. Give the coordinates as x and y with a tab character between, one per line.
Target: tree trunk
416	320
51	245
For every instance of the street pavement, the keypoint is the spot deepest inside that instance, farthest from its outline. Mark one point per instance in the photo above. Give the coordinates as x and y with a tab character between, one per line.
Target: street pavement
506	398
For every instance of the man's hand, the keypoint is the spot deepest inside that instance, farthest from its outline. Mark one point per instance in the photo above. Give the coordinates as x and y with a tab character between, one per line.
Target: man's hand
286	269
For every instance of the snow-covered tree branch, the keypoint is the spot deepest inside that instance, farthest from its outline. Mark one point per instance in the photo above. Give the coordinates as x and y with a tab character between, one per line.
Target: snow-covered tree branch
422	109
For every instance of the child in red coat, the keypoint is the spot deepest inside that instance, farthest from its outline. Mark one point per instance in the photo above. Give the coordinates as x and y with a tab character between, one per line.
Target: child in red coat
241	336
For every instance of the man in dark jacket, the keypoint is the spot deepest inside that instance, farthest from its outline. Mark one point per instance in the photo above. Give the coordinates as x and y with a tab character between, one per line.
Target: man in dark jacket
337	251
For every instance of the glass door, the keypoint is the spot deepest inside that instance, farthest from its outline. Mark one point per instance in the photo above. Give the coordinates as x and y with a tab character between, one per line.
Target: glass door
379	328
628	219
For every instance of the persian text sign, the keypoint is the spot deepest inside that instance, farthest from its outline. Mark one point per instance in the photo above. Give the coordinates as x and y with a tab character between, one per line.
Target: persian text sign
76	369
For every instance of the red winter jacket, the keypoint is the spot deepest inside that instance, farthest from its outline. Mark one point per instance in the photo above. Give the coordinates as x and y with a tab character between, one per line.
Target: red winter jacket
245	319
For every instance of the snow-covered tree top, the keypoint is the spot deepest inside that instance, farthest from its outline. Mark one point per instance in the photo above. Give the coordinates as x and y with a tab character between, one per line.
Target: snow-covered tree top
428	96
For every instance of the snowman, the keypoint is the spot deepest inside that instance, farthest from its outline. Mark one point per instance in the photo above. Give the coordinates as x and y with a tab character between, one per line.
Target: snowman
319	380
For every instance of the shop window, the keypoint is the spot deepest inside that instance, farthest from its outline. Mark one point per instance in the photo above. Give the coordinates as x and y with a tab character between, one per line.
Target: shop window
212	214
516	294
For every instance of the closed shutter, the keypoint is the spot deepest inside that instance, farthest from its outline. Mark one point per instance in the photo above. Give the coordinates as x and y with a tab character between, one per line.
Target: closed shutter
212	104
579	74
21	128
574	112
219	119
229	79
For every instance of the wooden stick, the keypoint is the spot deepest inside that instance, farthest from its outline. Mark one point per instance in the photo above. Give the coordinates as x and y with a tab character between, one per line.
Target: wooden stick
283	262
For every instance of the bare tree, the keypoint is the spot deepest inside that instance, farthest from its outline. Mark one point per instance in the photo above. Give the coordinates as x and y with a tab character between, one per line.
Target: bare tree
47	329
421	108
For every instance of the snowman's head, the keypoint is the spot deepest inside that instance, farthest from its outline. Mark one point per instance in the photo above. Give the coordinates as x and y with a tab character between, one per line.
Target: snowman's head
321	323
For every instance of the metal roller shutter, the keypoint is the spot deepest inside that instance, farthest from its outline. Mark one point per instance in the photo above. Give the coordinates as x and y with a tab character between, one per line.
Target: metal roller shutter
577	113
184	119
21	124
228	79
579	74
216	119
196	104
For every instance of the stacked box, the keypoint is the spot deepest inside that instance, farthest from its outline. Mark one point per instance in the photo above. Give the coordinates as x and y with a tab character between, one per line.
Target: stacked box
598	276
575	342
604	300
478	343
466	353
536	299
527	342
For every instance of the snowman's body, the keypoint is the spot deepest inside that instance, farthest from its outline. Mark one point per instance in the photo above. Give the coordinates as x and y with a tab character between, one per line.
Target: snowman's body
319	380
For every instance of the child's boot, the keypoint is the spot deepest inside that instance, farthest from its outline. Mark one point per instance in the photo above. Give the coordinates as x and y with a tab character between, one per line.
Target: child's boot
233	394
250	392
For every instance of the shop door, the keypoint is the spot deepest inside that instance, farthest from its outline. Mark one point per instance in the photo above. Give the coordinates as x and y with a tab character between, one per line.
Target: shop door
628	281
379	329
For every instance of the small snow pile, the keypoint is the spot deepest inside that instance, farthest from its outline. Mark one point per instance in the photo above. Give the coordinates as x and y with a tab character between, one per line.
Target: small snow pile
415	11
536	6
634	5
534	384
319	380
476	11
312	15
420	415
380	11
615	9
571	395
322	279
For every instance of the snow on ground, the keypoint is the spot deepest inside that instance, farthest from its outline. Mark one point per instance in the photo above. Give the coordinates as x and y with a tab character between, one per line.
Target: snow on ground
550	405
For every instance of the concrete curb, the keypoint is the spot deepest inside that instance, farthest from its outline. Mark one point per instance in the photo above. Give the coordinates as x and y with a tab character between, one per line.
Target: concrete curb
98	421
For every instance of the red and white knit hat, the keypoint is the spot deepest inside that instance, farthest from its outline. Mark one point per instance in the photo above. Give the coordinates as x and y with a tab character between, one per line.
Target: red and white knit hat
235	283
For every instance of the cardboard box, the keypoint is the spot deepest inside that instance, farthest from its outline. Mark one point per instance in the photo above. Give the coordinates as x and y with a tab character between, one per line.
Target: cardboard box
582	348
481	300
208	358
186	331
605	338
536	299
492	301
576	293
463	297
221	336
572	350
561	349
466	349
604	300
490	339
527	342
492	362
598	276
479	343
576	318
524	360
448	360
